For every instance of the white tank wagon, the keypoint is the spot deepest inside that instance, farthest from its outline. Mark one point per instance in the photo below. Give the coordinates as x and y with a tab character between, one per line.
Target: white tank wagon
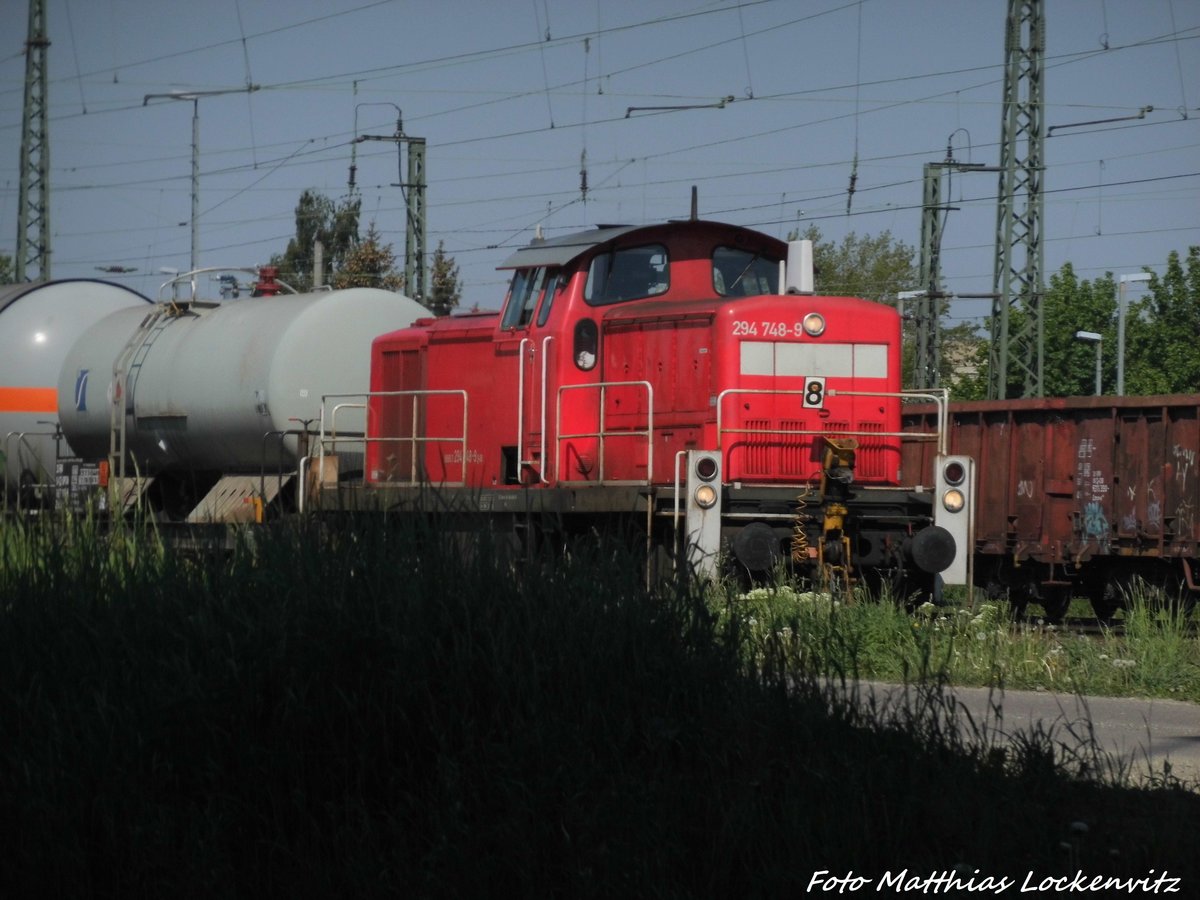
38	325
212	397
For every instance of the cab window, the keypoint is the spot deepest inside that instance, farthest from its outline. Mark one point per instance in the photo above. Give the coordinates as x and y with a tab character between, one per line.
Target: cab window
629	273
555	283
740	273
523	295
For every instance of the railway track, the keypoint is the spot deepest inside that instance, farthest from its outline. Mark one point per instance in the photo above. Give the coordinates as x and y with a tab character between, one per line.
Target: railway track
1086	626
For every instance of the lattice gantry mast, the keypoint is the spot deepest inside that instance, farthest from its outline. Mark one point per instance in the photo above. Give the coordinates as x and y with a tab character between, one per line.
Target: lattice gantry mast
414	231
33	211
1018	342
413	189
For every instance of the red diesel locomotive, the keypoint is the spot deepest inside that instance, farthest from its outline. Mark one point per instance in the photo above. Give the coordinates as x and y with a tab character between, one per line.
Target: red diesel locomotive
682	377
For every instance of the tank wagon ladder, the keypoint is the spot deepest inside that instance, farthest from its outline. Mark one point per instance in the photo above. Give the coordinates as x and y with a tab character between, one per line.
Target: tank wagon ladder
125	368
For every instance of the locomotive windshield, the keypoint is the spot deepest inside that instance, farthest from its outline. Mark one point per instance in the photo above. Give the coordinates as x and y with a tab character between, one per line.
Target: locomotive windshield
629	273
523	294
739	273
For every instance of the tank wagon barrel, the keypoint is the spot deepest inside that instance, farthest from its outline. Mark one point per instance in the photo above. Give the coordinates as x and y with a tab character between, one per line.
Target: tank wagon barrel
191	401
38	324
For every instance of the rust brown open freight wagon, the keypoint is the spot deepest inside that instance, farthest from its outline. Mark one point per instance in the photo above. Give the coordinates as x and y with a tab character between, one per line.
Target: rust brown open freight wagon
1078	496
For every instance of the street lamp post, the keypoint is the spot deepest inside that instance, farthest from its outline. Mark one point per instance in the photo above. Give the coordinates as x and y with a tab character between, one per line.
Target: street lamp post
1121	305
194	97
1093	338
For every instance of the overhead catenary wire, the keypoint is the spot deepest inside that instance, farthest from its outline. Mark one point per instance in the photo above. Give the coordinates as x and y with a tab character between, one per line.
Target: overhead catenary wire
537	21
857	109
292	161
75	54
249	82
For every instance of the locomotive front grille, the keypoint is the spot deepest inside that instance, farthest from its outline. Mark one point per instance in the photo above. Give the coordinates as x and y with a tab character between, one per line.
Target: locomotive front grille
869	457
795	451
777	448
759	448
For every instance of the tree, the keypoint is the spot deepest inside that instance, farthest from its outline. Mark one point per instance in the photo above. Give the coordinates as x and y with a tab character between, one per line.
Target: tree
370	263
1162	336
1068	364
1070	306
1162	332
6	269
876	268
444	288
964	355
318	218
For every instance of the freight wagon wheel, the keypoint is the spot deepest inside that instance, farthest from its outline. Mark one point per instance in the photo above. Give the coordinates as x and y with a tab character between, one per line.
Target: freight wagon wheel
1056	600
1105	598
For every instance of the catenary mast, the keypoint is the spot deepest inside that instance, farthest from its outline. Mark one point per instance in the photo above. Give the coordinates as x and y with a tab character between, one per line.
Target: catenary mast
1017	347
33	204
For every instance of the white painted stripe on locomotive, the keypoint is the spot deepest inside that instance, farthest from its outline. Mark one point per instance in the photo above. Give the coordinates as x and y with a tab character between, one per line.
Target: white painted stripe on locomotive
784	359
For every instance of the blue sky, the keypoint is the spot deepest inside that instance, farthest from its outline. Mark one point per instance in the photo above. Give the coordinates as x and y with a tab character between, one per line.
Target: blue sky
510	96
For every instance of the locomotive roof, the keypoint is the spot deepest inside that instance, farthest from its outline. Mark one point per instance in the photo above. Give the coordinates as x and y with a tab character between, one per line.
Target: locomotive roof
561	250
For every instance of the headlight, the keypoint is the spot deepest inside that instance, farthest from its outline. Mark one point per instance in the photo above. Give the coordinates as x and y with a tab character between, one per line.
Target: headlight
954	473
705	496
706	468
814	324
953	500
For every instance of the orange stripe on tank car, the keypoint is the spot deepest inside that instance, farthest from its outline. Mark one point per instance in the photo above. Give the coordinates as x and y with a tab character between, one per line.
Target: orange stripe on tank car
29	399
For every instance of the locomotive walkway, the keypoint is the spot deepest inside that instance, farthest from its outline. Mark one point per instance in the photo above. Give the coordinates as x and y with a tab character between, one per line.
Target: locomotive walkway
1143	734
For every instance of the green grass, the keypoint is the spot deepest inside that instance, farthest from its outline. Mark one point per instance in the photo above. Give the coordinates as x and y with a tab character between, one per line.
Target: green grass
1156	654
376	710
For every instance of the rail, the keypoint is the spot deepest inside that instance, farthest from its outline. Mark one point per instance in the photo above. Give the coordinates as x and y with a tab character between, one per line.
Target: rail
603	434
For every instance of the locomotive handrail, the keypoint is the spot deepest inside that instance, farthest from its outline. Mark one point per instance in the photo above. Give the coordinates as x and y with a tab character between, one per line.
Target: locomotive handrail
521	407
602	434
545	356
939	396
333	438
787	431
521	461
675	516
414	440
940	436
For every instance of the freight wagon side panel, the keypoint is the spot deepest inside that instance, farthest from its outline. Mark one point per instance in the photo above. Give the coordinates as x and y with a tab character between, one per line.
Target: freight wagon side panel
1064	480
1180	480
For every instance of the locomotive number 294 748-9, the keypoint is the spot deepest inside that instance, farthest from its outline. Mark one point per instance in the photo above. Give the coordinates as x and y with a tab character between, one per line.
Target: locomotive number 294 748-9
749	328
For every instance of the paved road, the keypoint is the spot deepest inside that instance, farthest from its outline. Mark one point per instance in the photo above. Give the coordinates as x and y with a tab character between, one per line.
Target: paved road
1146	734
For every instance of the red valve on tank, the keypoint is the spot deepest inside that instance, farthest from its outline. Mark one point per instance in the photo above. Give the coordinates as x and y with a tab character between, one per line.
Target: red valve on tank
266	286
